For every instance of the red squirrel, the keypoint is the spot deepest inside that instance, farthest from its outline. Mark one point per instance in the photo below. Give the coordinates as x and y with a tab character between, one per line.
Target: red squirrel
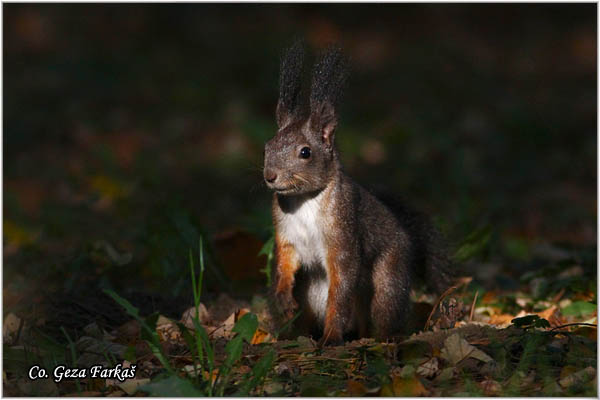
342	257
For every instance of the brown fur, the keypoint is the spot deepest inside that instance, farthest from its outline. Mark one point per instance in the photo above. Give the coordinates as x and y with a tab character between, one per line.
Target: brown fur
342	256
287	264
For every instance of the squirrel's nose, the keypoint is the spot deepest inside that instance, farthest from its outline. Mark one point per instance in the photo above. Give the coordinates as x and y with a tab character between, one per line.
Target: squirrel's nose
270	176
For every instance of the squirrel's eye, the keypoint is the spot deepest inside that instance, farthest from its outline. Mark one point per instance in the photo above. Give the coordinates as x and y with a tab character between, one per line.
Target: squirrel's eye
305	152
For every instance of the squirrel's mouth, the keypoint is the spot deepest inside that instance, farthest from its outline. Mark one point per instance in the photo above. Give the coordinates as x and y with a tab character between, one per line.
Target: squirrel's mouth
287	190
282	189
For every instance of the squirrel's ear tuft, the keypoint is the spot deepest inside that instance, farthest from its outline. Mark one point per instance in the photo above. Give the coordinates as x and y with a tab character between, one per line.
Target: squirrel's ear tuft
290	79
329	80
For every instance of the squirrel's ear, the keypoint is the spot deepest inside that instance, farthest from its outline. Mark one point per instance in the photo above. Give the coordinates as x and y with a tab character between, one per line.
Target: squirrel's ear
329	78
323	120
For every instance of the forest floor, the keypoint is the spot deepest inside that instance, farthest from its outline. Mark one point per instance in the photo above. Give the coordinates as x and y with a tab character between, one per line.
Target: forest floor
538	338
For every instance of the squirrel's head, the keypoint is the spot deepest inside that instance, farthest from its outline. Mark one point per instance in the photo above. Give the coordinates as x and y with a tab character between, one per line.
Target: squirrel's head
302	158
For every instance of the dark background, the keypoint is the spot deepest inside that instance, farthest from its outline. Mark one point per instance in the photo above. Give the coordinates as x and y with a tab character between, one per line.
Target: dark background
131	129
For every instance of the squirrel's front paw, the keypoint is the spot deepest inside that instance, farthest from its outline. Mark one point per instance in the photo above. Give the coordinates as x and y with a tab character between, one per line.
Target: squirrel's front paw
287	304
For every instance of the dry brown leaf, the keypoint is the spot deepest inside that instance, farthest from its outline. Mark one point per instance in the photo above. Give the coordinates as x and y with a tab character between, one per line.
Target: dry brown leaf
355	389
428	368
457	349
230	321
190	313
10	327
405	387
261	336
130	386
490	387
162	320
547	313
588	332
240	313
213	376
501	319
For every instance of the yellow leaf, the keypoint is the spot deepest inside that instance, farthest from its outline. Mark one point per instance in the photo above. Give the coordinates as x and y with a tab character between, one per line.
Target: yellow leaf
411	387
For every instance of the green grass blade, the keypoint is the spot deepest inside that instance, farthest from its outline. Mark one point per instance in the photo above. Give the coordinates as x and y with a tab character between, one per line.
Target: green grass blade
147	331
259	373
73	355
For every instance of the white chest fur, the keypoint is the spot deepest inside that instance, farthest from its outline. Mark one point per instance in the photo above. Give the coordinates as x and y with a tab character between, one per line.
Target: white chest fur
302	226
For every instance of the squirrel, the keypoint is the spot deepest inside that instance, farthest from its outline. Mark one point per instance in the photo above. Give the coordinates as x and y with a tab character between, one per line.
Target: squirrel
343	257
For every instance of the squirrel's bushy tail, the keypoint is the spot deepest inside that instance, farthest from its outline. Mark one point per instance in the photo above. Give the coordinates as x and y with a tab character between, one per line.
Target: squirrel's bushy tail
430	256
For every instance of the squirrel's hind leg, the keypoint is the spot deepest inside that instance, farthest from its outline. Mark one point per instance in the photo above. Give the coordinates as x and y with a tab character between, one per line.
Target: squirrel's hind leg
391	289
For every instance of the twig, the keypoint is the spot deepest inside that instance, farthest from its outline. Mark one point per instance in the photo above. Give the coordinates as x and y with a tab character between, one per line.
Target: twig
439	300
461	281
573	324
473	307
556	298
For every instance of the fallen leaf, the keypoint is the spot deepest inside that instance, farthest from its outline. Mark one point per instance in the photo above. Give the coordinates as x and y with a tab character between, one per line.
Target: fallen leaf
261	336
306	342
581	376
587	331
445	375
241	312
10	327
355	389
273	387
190	313
480	355
191	370
162	320
408	371
213	376
404	387
501	320
552	389
547	313
457	349
490	387
428	369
